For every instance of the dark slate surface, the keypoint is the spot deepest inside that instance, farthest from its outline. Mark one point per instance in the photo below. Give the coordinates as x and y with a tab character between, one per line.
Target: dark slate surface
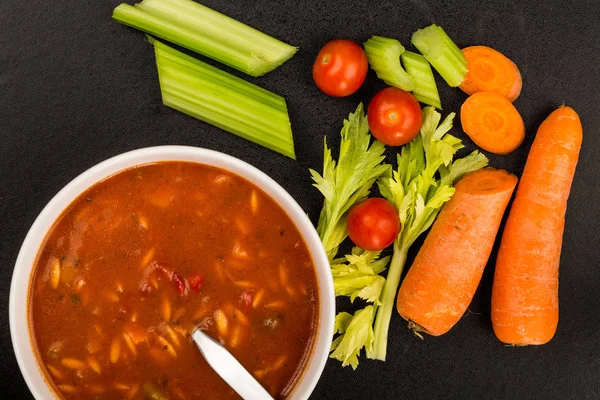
77	88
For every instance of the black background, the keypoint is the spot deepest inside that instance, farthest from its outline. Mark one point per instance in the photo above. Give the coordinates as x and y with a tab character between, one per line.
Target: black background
77	88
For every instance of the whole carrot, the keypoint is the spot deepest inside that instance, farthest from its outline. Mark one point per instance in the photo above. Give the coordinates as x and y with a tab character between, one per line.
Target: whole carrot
442	281
525	290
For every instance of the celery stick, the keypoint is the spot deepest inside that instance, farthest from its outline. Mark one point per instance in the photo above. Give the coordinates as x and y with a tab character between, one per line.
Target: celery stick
384	57
419	187
221	99
419	69
205	31
442	53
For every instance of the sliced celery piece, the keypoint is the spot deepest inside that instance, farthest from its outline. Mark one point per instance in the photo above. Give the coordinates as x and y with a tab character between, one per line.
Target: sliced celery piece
221	99
384	57
442	53
205	31
419	69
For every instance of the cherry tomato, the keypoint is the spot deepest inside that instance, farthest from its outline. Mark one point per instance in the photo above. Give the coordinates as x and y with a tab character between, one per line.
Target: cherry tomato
340	68
394	116
373	224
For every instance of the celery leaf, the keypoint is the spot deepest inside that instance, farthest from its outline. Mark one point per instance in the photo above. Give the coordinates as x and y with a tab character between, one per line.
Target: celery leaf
462	166
359	275
357	333
349	180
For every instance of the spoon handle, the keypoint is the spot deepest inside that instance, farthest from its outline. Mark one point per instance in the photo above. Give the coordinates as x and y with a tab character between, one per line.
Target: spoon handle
229	368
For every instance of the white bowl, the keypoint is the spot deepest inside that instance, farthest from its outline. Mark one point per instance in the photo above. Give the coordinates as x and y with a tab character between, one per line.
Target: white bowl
19	289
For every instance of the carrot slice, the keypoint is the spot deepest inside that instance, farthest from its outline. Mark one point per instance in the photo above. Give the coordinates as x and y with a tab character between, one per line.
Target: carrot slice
492	122
491	71
445	274
525	290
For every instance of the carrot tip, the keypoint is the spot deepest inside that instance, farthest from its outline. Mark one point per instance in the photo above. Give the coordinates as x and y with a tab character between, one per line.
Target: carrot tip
416	329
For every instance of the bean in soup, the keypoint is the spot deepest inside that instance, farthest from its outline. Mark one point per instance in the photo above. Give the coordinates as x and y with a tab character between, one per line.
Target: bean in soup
142	258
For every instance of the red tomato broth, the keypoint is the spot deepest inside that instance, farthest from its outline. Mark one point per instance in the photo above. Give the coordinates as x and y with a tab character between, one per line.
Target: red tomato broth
152	252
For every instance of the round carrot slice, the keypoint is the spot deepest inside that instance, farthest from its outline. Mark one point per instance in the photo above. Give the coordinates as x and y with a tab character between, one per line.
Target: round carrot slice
491	71
492	122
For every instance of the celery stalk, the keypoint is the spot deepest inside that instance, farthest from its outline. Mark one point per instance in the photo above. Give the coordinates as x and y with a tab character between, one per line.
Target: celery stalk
205	31
221	99
442	53
419	69
384	57
419	187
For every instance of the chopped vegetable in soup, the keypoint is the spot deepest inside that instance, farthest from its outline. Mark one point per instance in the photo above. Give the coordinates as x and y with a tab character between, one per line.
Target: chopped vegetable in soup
142	258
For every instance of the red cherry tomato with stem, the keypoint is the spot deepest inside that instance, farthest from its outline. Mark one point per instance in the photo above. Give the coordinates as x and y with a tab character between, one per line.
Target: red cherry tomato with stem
394	116
340	68
373	224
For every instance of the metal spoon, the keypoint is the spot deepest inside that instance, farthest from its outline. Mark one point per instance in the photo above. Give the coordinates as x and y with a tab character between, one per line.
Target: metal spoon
229	368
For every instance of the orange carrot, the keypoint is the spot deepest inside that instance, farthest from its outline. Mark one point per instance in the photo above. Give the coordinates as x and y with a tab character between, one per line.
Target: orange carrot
490	71
525	291
442	281
492	122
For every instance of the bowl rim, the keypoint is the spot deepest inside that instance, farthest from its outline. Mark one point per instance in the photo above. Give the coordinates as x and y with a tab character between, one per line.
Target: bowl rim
21	336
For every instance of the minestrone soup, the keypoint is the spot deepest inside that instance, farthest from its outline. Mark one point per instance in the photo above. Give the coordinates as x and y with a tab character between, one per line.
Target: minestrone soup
141	259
